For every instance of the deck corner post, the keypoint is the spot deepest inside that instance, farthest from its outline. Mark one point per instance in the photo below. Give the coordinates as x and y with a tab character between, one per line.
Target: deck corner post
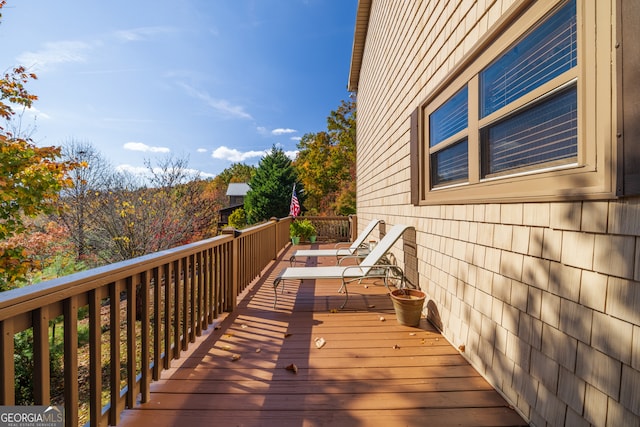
235	266
353	227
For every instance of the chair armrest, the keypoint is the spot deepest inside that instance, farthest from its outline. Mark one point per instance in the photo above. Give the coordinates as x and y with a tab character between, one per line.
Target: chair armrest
356	257
339	244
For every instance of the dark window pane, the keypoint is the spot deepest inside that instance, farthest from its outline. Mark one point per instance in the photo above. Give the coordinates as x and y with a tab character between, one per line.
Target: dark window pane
543	54
546	132
451	164
449	119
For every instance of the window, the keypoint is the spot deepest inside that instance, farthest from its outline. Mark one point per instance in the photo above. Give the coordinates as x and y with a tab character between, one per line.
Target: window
517	119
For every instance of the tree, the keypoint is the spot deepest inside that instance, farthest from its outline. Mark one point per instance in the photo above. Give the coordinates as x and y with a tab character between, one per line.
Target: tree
237	172
130	219
75	202
30	179
326	163
271	188
238	219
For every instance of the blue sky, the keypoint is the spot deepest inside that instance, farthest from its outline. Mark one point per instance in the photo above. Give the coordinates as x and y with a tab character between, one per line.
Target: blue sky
217	81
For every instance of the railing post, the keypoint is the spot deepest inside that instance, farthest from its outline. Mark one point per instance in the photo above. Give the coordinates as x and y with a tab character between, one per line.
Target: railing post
353	225
7	366
276	236
235	265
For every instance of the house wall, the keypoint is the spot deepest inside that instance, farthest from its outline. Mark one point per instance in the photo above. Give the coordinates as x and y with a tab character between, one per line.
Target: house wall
545	297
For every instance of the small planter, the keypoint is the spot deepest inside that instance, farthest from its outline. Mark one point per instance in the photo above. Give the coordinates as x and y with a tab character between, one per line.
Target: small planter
312	239
295	240
408	305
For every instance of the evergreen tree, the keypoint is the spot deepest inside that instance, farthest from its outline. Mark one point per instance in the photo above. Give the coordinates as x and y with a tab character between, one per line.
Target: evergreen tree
271	187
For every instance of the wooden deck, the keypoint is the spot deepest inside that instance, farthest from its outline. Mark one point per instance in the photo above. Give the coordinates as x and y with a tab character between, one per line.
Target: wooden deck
372	371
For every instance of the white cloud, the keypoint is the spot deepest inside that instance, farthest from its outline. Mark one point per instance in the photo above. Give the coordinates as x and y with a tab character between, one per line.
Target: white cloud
222	106
281	131
141	33
295	138
291	154
233	155
202	150
134	170
55	53
139	146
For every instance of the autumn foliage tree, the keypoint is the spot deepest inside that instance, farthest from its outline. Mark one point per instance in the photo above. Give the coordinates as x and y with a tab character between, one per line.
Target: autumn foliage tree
31	178
326	163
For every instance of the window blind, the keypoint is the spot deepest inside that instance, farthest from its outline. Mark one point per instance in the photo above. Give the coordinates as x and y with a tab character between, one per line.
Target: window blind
546	132
543	54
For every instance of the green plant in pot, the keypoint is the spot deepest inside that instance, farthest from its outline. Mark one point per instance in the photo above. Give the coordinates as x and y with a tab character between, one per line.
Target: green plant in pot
302	229
295	231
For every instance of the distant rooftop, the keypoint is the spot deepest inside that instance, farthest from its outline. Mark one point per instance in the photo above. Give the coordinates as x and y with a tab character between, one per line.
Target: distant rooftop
238	189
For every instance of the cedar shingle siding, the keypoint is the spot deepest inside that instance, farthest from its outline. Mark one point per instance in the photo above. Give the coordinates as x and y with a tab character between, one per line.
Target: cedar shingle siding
536	274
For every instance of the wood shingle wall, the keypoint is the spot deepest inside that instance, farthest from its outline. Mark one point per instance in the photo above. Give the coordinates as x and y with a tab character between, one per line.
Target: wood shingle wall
544	296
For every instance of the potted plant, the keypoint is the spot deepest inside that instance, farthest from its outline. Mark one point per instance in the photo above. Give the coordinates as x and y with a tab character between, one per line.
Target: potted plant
302	229
295	231
309	231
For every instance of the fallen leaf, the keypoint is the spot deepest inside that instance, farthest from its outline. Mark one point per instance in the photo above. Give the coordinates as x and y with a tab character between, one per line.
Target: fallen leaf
235	357
228	335
258	350
243	326
382	319
226	348
412	334
366	286
287	335
333	310
320	342
396	347
461	347
372	306
293	368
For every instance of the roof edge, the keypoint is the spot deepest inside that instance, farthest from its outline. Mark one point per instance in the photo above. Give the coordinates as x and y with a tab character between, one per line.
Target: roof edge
359	38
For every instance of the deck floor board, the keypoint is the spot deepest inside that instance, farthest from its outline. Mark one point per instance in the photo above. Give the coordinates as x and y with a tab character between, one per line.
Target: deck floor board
372	371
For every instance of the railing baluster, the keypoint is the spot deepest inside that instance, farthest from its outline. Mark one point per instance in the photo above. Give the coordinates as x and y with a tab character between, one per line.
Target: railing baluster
157	324
168	272
193	289
130	399
177	306
145	341
201	319
42	371
71	398
186	281
95	358
114	352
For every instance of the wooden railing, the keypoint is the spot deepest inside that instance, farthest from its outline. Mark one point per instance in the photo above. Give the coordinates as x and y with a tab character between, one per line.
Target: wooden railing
334	228
164	301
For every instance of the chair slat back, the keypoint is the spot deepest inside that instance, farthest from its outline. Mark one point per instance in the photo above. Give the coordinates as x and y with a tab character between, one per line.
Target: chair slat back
362	236
384	245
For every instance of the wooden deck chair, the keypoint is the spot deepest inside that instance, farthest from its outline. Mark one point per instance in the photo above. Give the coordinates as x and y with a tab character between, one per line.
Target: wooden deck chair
374	265
359	243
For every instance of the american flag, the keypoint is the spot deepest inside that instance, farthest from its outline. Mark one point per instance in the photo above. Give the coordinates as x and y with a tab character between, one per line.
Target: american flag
294	208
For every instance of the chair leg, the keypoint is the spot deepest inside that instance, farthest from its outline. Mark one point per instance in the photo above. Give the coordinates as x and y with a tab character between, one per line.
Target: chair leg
346	293
276	282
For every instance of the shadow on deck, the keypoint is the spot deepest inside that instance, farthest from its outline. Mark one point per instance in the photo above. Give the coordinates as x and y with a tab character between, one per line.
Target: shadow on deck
371	371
